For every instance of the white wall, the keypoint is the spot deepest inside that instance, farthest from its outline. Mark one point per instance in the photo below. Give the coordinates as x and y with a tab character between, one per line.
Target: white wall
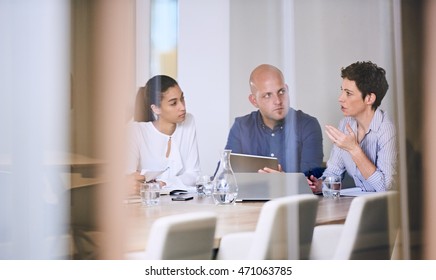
256	37
203	73
142	44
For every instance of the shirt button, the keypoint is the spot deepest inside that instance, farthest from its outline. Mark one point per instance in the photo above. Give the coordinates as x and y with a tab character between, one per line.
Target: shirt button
272	154
272	134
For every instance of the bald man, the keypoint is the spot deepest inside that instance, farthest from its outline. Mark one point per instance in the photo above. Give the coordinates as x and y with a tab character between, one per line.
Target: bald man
276	129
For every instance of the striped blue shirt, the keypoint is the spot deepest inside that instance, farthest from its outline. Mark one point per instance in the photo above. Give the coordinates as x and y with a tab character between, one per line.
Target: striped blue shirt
380	146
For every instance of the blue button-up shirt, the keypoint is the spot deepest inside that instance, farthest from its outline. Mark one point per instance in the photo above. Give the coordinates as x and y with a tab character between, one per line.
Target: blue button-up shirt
296	142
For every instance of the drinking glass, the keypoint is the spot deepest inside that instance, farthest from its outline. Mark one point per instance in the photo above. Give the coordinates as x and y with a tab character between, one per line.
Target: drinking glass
150	193
331	186
203	185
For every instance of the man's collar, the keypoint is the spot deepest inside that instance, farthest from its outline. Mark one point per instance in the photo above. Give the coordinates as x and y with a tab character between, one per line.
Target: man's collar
278	126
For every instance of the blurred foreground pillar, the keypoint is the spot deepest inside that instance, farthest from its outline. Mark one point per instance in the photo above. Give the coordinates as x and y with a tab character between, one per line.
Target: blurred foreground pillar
113	81
429	129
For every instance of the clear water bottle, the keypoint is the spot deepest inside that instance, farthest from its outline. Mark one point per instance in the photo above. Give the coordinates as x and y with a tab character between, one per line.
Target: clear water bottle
225	187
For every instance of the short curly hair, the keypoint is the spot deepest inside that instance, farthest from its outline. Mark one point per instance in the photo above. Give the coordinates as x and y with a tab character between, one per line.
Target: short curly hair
369	78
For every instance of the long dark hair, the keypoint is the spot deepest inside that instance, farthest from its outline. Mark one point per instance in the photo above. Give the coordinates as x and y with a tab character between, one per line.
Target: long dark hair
151	94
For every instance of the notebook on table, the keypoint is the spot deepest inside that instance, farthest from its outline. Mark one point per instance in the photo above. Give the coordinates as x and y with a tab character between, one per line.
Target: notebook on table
251	163
267	186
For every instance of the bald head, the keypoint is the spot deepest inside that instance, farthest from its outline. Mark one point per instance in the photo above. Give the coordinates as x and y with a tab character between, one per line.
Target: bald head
263	73
269	94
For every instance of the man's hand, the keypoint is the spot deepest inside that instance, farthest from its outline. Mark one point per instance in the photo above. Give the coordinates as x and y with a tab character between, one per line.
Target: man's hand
270	170
314	184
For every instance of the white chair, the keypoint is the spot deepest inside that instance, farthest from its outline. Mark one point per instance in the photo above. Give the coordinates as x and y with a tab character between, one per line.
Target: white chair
283	231
369	230
180	237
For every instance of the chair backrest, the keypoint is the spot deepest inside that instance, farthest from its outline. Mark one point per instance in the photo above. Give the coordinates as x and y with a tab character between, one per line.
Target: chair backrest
182	237
285	228
370	228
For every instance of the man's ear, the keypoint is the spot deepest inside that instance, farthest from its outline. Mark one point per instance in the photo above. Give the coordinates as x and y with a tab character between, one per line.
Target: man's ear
253	100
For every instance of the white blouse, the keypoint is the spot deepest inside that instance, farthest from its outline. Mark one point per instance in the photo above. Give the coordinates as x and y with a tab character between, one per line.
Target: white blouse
148	148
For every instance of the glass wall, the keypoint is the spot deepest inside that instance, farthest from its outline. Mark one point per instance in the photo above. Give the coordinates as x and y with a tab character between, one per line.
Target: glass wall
34	78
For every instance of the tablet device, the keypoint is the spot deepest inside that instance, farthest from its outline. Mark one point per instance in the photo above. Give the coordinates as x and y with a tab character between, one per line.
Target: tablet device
251	163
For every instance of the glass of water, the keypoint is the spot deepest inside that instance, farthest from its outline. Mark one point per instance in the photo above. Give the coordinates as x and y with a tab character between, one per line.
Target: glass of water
203	185
150	193
331	186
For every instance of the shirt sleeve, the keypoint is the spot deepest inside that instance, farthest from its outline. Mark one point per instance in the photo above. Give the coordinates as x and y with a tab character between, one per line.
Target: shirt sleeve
335	163
383	149
382	178
234	140
132	148
312	149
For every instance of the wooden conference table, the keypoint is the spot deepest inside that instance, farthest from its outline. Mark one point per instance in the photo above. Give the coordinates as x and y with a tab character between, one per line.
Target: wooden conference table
231	218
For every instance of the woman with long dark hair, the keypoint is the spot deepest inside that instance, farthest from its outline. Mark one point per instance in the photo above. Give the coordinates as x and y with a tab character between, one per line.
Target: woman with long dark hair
163	135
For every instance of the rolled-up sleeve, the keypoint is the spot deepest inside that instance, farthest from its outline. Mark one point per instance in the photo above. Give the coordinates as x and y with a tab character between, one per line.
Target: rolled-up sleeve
385	161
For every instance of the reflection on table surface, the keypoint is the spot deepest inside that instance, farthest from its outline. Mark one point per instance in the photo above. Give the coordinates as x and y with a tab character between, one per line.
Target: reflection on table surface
231	218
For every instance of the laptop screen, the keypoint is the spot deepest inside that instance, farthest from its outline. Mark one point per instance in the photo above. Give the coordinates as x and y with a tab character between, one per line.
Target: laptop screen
267	186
